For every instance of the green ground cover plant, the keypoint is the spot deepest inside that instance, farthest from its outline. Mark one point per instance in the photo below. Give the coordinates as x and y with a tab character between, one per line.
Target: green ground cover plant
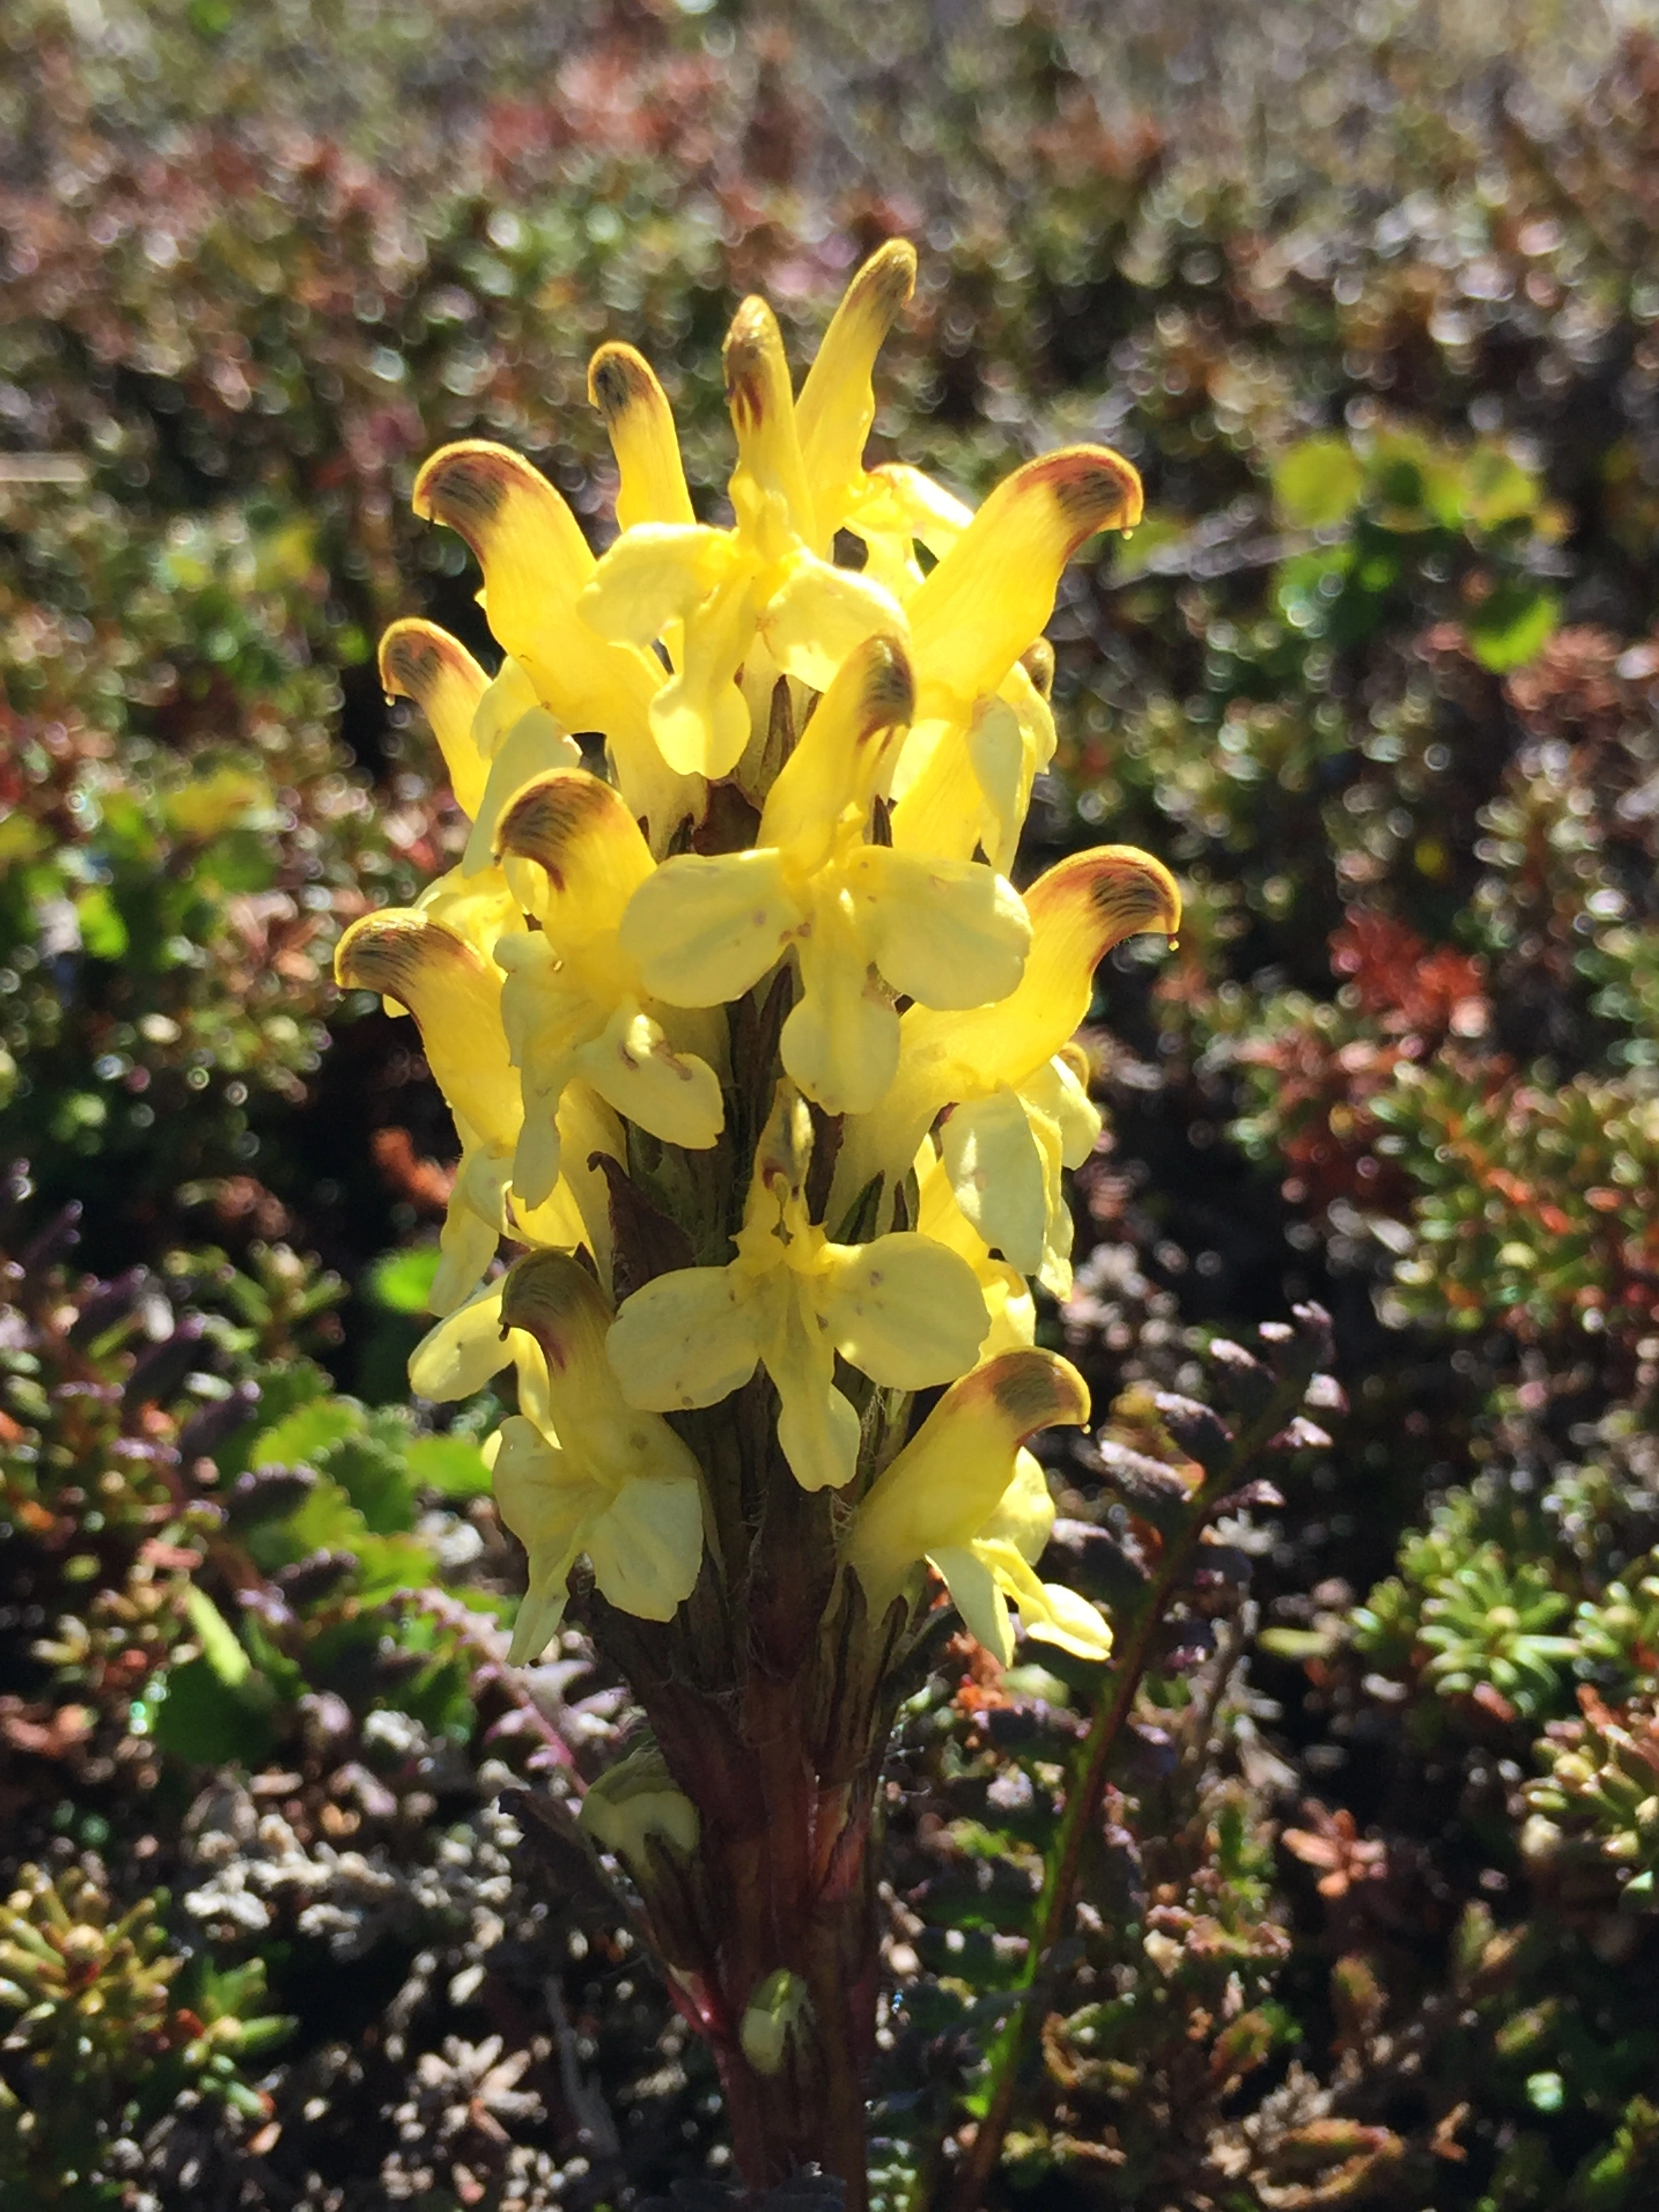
1361	1912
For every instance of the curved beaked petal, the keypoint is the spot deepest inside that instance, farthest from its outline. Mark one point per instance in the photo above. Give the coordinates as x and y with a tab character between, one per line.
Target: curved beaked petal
768	485
950	1476
640	424
903	1310
993	592
579	834
420	661
839	756
455	998
837	404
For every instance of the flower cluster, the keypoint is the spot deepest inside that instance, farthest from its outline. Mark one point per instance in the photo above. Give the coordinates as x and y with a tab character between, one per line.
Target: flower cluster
753	1049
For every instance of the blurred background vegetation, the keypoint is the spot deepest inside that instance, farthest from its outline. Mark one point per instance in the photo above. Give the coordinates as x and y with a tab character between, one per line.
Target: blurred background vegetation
1371	297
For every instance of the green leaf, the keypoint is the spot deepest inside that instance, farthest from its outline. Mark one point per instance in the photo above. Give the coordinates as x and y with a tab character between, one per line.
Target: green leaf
217	1639
402	1281
199	1718
453	1466
306	1432
1497	489
1318	482
1511	625
103	933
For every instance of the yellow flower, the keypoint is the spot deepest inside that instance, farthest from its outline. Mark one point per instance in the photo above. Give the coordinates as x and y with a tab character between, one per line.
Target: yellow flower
864	921
493	735
1016	1114
433	962
963	1495
591	1474
573	1006
706	594
536	566
902	1309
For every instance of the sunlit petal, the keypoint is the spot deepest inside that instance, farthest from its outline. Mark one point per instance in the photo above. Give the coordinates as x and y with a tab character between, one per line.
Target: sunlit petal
840	1043
837	404
622	385
904	1310
995	1165
421	662
686	1339
703	932
949	933
634	1067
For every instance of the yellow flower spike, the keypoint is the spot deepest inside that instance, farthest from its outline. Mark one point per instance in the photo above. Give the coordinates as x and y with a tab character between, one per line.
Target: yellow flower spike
902	1309
536	565
420	661
623	386
572	1003
950	1479
837	404
594	1474
864	921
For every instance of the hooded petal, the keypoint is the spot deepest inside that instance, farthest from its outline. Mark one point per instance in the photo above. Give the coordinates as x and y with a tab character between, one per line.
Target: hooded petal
634	1068
1079	909
837	404
949	933
647	1546
587	845
903	1310
840	757
529	747
455	997
704	931
421	662
950	1476
640	424
997	1169
689	1338
993	592
768	485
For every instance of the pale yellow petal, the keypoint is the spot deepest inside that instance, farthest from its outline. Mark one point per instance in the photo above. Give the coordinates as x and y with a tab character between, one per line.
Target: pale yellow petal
948	933
647	1546
840	1043
655	573
640	424
704	931
462	1352
840	757
978	1598
1025	1517
685	1339
535	744
818	1427
634	1068
837	404
820	614
577	831
995	1165
421	662
455	996
903	1310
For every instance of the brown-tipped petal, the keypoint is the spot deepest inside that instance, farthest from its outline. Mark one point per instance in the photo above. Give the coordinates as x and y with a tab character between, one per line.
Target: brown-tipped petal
951	1476
757	392
623	386
420	661
837	404
989	598
552	1296
838	760
455	999
535	563
579	831
1079	909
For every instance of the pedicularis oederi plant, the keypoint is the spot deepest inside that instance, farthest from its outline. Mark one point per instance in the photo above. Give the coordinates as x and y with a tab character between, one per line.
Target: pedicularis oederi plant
764	1071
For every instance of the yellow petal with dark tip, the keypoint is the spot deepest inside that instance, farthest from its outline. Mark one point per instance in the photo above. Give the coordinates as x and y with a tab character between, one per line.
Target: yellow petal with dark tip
837	404
989	599
455	997
757	392
952	1475
535	563
623	386
578	832
420	661
839	759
